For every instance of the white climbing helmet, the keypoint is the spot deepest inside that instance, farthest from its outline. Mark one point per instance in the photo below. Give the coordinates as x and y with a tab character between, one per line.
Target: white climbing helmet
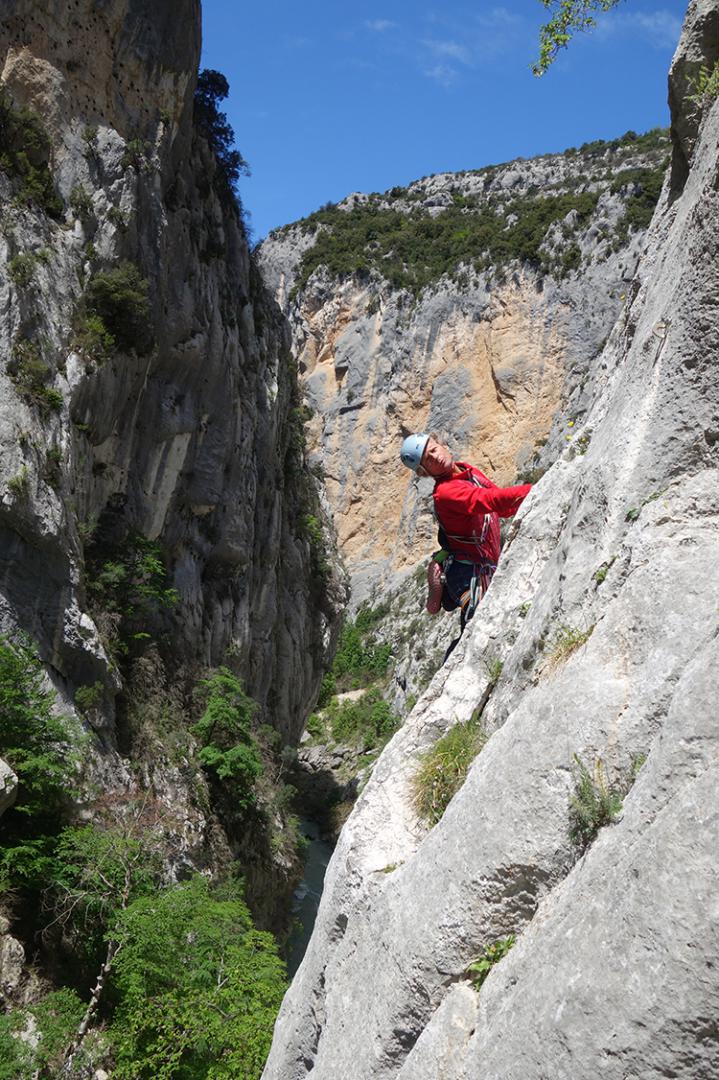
412	449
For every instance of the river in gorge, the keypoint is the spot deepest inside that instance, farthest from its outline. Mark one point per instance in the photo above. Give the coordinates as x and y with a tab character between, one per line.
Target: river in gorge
307	895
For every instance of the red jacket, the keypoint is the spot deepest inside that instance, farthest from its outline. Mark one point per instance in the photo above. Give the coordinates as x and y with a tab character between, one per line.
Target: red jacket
465	510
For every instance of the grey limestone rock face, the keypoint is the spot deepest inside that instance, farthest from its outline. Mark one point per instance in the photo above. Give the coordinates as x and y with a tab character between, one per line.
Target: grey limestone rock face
189	444
486	360
615	969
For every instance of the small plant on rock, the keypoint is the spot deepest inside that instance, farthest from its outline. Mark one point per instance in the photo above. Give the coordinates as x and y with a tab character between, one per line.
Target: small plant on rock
21	269
592	805
118	218
601	574
134	156
443	769
480	968
93	339
30	374
19	484
567	640
81	202
705	85
494	668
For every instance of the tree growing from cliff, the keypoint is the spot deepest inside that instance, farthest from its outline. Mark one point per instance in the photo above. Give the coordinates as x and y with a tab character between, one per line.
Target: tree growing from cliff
212	86
568	18
37	744
228	749
198	987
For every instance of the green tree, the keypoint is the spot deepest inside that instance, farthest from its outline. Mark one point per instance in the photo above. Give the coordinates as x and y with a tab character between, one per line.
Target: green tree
34	741
569	17
54	1018
198	987
96	872
212	86
119	300
224	731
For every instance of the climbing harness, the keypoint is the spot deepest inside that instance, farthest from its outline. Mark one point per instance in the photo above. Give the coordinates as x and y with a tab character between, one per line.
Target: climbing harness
464	581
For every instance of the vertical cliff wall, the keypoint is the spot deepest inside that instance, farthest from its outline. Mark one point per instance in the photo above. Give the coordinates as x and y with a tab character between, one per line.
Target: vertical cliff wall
471	304
604	617
188	439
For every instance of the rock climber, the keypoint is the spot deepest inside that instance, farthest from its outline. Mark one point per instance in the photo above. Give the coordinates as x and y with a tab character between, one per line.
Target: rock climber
467	506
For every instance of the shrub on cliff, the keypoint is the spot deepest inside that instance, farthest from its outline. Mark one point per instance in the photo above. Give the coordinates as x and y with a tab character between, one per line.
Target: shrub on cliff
117	301
38	746
359	660
212	86
198	988
25	155
31	373
224	731
128	588
411	251
33	740
368	721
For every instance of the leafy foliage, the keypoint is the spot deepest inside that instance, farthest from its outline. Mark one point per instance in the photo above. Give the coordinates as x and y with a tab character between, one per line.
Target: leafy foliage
198	987
134	156
593	804
21	269
129	588
443	769
570	16
55	1016
37	744
33	740
705	85
89	696
92	338
368	721
95	873
25	155
224	732
118	302
312	530
359	660
413	250
212	86
81	202
31	373
480	968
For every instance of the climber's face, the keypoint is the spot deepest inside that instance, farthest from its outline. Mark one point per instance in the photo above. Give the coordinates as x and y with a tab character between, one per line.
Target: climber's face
436	460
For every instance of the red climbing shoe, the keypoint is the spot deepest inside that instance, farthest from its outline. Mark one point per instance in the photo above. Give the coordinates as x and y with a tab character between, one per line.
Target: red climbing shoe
434	587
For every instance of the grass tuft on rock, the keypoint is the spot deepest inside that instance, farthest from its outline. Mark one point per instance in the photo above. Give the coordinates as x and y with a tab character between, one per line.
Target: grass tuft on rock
443	769
566	641
593	804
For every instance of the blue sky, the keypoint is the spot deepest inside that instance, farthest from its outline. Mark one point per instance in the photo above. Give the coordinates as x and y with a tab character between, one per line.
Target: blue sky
326	99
